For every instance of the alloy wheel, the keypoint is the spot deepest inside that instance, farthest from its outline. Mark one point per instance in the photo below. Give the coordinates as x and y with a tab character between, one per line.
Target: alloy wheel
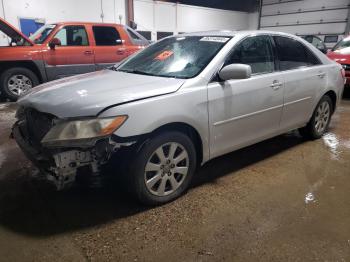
19	84
322	117
166	169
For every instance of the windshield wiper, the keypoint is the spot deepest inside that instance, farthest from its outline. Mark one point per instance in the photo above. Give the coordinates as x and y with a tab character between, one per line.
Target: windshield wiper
114	68
135	71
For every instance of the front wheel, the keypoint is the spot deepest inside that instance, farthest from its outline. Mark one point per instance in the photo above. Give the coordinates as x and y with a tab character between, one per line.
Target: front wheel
163	168
15	82
320	119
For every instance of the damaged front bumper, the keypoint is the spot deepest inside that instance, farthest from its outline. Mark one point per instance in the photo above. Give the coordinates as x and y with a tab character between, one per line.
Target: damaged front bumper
61	165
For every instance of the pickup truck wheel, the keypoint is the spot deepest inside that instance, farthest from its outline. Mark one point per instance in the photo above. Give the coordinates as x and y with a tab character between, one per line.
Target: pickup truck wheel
15	82
319	122
163	168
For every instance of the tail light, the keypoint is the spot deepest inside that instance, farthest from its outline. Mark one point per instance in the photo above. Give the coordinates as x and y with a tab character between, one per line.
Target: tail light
343	72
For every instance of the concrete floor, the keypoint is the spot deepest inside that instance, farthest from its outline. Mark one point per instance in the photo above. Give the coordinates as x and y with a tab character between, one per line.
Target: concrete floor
281	200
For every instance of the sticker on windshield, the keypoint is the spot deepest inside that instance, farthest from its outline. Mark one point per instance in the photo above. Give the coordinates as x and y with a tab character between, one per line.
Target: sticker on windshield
164	55
215	39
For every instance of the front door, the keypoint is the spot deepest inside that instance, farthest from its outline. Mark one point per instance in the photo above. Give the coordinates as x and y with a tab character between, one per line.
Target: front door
242	112
73	56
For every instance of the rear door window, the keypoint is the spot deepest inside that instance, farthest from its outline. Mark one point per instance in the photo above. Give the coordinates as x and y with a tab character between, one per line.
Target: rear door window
292	54
106	36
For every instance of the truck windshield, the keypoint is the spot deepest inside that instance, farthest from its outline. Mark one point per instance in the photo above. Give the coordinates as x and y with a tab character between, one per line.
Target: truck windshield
179	57
345	43
41	34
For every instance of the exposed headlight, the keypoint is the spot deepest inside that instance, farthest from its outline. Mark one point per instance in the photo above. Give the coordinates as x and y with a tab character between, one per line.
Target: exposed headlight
83	129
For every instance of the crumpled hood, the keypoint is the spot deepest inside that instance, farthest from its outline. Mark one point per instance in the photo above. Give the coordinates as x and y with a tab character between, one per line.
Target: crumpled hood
88	94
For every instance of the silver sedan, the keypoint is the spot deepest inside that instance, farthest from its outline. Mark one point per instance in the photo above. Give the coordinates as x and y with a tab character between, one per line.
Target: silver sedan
174	106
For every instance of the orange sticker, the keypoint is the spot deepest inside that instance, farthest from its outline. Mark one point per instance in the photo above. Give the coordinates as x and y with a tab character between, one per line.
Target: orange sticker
164	55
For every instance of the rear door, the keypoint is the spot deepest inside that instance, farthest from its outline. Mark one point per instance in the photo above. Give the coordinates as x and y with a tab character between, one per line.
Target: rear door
245	111
304	77
73	56
109	46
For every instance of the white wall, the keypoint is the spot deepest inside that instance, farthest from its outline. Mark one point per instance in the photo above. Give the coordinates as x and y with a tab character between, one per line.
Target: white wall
144	15
253	21
1	10
149	15
191	18
169	17
3	37
64	10
165	16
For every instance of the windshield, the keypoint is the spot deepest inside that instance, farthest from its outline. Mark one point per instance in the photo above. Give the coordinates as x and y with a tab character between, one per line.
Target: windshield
179	57
41	34
342	44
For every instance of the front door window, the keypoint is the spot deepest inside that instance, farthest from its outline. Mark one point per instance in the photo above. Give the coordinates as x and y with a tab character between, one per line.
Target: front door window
73	36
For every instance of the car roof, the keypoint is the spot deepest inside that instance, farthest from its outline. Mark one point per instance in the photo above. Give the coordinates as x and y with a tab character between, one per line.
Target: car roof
229	33
86	23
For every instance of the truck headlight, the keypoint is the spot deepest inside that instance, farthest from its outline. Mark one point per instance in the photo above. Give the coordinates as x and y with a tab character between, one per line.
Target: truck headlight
83	129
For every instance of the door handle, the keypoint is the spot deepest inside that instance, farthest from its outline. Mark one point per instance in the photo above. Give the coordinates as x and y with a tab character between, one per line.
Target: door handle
88	52
276	85
321	74
120	51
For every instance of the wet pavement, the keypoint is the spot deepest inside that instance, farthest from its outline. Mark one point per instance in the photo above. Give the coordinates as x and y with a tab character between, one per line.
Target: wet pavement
284	199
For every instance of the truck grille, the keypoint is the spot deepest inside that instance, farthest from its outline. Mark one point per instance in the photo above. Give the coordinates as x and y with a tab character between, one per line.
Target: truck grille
38	124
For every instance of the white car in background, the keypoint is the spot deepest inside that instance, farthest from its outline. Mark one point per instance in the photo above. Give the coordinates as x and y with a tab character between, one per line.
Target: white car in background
177	104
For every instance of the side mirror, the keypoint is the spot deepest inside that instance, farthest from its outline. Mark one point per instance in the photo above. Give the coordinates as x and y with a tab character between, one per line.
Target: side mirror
54	42
235	71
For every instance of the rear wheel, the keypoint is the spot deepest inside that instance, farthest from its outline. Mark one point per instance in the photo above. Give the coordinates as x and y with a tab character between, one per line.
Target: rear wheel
320	119
163	168
15	82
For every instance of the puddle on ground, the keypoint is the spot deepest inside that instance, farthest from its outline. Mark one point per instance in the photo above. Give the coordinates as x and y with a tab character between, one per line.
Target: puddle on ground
309	198
4	106
346	144
332	142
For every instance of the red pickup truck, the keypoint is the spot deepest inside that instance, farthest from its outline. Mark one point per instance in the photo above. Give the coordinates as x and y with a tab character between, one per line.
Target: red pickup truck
59	50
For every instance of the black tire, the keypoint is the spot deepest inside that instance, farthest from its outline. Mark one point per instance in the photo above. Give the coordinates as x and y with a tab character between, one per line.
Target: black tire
136	174
310	131
6	76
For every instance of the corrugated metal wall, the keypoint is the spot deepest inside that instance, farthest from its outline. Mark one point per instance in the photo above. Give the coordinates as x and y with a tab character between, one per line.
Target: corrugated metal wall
304	17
